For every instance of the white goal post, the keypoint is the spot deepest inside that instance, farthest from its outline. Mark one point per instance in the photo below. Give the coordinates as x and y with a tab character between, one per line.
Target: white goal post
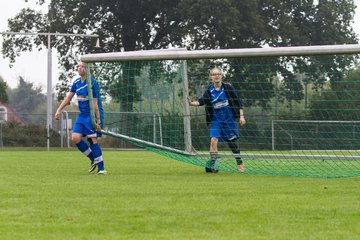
220	53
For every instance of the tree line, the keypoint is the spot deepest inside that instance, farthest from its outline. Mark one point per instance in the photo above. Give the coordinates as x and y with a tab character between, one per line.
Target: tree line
26	100
127	25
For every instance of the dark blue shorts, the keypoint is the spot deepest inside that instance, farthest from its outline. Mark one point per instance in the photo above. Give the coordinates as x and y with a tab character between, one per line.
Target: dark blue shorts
83	125
224	131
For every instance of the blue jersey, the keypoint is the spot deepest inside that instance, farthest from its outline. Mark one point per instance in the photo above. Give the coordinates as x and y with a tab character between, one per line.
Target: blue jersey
81	90
83	123
223	125
222	110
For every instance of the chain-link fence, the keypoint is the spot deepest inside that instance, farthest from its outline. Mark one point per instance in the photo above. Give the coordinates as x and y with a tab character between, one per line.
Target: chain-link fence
30	130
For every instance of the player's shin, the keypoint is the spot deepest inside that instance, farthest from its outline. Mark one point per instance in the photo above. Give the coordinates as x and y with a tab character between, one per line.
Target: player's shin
235	150
97	153
84	148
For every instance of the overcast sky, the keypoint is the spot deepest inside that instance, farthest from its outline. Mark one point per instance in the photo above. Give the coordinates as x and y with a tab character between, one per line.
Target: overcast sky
33	65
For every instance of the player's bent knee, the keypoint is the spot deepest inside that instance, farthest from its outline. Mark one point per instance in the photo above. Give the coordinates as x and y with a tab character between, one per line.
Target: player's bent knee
75	138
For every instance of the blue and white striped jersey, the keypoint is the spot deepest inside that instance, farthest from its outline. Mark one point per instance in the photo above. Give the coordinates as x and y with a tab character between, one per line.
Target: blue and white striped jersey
220	102
81	91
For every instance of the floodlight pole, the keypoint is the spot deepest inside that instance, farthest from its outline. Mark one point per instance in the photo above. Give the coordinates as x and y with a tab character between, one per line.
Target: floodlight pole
49	71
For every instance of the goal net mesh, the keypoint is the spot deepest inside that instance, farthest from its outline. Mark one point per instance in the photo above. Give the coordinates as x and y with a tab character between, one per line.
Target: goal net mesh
302	112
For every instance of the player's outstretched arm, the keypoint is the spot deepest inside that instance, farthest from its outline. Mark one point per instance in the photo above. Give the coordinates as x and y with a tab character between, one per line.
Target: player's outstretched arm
193	103
65	102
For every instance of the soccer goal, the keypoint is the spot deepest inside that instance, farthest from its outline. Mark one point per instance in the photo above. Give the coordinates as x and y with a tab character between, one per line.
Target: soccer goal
300	104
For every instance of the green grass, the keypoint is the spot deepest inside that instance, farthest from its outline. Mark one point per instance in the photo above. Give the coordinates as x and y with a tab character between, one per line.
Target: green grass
49	195
279	163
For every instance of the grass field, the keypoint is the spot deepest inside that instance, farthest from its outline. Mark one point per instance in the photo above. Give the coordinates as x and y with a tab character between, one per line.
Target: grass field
49	195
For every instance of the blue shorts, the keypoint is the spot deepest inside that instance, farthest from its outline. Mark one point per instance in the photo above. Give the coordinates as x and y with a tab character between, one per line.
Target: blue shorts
224	131
83	125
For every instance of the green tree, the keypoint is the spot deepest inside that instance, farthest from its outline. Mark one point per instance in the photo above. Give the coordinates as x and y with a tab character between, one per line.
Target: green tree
28	101
196	24
3	88
299	22
341	101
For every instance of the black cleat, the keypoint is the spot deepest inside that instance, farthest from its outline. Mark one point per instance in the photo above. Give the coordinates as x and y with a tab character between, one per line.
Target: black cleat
210	170
210	166
92	168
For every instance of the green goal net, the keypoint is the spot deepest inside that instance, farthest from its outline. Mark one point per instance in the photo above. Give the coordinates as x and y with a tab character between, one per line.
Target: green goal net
301	106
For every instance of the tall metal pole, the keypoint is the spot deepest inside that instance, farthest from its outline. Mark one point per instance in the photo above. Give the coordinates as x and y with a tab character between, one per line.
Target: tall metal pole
49	95
1	135
49	72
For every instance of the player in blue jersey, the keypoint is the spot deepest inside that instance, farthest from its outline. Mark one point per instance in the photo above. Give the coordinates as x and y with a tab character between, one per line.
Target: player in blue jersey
83	127
223	107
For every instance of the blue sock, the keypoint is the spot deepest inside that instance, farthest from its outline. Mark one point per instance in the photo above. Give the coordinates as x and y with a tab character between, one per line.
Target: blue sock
96	150
84	148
